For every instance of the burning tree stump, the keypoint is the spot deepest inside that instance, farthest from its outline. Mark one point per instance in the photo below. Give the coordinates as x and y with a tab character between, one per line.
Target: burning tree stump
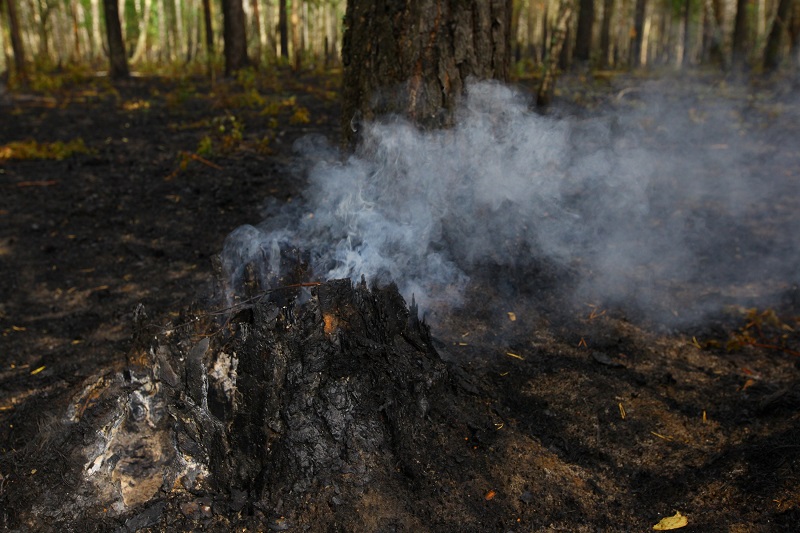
283	407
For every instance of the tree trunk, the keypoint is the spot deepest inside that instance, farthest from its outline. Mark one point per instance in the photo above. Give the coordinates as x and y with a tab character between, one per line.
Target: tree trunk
165	50
794	34
4	58
190	29
141	42
177	27
772	52
533	51
20	65
97	40
547	88
740	31
283	28
75	27
516	44
256	29
712	35
545	31
234	36
413	58
637	36
118	68
41	13
687	10
583	34
605	32
296	47
209	37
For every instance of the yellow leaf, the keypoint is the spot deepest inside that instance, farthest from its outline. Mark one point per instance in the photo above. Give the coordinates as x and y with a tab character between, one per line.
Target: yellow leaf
671	522
512	316
34	372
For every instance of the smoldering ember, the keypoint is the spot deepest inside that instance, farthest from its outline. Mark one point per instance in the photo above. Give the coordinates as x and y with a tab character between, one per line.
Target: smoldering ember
496	317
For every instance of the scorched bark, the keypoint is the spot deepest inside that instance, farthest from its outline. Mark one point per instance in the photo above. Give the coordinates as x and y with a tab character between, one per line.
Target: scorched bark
280	405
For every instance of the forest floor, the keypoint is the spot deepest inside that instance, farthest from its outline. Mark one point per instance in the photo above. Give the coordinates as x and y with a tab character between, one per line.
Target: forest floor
115	196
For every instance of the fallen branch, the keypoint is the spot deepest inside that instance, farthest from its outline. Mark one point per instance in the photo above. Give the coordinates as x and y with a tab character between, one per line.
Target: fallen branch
43	183
185	158
202	160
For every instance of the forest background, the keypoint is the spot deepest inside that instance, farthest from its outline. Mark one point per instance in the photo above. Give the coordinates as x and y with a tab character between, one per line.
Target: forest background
192	36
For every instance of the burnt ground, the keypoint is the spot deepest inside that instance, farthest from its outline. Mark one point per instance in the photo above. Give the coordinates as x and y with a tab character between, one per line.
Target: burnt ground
568	418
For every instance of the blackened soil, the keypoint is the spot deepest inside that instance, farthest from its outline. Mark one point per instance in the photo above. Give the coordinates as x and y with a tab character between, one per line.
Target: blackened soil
566	419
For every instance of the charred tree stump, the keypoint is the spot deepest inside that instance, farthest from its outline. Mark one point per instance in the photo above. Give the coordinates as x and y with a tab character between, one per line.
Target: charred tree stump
282	407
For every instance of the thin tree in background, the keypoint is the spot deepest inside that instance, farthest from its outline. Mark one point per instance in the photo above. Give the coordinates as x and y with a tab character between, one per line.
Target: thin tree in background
209	33
256	28
118	68
794	34
141	42
296	46
780	25
234	35
283	28
712	32
181	46
97	40
76	41
558	37
605	32
740	34
637	36
20	64
413	58
583	34
3	58
687	11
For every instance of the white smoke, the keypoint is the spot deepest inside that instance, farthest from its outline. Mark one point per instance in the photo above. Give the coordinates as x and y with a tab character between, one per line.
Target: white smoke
645	203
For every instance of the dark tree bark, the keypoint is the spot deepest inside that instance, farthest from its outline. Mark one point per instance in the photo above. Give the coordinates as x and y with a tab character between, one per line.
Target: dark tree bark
638	34
794	34
712	36
545	31
118	66
605	32
209	28
234	35
740	31
583	34
772	52
20	65
413	58
209	37
283	28
687	10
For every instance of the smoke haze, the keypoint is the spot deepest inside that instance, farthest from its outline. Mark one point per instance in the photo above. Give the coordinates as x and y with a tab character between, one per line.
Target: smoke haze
671	205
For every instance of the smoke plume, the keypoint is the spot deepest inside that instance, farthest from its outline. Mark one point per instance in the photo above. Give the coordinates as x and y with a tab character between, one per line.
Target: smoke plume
668	203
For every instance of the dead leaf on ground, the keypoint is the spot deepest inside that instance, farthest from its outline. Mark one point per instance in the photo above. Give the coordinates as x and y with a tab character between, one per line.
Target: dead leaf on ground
672	522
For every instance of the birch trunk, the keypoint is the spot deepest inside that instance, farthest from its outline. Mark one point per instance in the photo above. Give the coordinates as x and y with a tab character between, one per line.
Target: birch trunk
559	32
141	42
